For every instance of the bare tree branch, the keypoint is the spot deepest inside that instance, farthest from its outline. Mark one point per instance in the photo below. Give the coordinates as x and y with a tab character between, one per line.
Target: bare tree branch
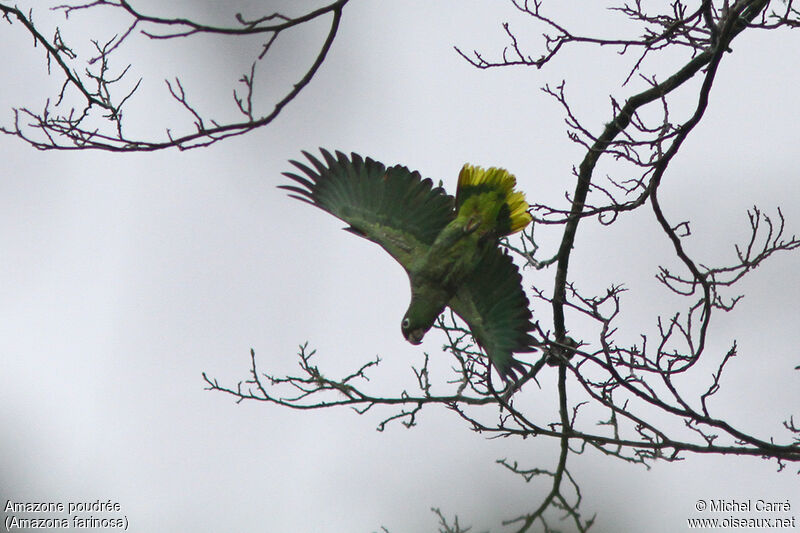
64	127
635	384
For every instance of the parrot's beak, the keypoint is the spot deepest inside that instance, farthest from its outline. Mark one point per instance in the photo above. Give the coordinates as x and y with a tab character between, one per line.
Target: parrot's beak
415	336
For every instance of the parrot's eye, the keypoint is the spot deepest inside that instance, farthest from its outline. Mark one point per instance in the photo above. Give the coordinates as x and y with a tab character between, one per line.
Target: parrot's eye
406	323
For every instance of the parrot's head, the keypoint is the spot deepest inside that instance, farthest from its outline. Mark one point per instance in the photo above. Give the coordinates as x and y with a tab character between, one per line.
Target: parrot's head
412	331
419	318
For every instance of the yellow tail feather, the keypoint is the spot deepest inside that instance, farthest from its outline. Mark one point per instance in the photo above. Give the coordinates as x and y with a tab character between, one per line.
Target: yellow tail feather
474	180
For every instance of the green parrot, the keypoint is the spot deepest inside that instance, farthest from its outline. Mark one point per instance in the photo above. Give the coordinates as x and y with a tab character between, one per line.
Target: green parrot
448	246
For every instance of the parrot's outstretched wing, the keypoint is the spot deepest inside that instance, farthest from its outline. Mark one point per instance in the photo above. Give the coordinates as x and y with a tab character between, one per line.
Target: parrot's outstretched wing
393	206
496	309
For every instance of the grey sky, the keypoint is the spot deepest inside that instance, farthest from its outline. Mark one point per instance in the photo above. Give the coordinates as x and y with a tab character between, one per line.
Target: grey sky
125	276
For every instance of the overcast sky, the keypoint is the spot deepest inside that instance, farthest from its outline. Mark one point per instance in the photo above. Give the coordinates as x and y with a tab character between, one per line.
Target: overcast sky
124	277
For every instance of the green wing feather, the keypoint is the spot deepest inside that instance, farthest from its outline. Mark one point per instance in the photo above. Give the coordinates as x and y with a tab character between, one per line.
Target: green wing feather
393	206
496	309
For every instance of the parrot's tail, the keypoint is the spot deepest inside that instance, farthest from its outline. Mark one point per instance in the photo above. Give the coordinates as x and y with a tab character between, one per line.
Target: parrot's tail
493	189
